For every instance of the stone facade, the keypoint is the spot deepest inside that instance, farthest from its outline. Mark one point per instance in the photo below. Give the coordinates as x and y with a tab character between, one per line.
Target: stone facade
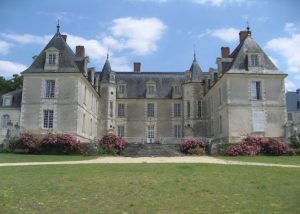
243	95
293	112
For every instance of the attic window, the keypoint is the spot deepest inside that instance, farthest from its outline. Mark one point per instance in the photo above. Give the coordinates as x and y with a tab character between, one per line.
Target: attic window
253	60
151	89
177	89
7	101
52	59
121	89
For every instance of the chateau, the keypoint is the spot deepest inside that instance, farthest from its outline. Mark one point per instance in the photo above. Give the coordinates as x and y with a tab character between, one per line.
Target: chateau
243	95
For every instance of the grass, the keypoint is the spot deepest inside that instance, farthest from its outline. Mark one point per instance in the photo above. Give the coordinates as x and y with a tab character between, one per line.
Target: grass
149	188
15	158
292	160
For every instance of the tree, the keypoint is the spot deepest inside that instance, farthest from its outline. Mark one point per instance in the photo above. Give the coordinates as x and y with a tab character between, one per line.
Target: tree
10	85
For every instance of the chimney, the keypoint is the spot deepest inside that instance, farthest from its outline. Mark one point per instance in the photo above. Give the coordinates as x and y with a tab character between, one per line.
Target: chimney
80	51
243	34
136	67
225	52
64	37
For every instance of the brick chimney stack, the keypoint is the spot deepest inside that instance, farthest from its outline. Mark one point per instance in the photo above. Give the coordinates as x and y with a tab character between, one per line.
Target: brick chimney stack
136	67
225	52
80	52
243	34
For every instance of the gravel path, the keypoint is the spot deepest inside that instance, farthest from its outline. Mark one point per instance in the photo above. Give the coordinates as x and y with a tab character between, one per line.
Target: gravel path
126	160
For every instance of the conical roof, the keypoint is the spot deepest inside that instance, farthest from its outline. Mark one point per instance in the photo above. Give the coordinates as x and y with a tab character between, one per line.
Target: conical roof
66	61
195	70
106	72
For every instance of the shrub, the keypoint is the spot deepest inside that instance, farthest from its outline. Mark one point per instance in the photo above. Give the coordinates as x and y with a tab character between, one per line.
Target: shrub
193	147
295	143
111	144
25	143
297	152
253	145
60	144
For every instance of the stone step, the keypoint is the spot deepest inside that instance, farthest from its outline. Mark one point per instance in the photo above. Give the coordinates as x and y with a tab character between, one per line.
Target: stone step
151	150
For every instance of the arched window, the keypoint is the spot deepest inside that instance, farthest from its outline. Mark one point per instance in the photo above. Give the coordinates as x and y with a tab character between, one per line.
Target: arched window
5	120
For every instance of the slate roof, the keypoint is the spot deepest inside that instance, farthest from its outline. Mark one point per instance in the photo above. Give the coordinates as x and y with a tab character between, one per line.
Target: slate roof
196	71
240	58
16	99
105	74
136	83
67	58
291	101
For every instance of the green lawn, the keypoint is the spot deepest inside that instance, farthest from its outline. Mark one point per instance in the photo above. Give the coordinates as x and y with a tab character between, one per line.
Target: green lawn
149	188
15	158
293	160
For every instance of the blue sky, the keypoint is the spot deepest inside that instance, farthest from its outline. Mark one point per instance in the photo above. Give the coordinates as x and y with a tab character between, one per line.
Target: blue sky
158	33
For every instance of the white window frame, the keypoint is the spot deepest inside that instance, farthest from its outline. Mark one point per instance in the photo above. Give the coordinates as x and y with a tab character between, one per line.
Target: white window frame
5	120
121	110
177	89
150	110
121	89
177	109
151	131
50	89
256	90
254	60
48	119
258	121
52	59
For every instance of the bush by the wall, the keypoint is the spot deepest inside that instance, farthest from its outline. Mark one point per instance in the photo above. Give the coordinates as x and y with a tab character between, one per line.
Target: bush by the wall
60	144
297	151
295	142
90	148
193	147
111	144
253	145
25	143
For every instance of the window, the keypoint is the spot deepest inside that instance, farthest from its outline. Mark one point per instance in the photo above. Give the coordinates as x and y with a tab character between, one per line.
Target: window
188	108
52	59
150	131
48	119
177	89
121	131
177	131
151	89
6	101
50	88
84	95
121	110
220	96
177	110
298	104
290	116
83	123
150	109
5	120
256	90
253	60
121	89
199	109
220	124
111	106
258	121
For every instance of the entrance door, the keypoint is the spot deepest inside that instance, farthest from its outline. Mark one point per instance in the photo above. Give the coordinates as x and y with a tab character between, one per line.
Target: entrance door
150	134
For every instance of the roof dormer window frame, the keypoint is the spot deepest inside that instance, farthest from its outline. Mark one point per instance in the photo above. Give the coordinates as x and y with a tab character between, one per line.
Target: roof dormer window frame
254	59
52	59
151	89
7	101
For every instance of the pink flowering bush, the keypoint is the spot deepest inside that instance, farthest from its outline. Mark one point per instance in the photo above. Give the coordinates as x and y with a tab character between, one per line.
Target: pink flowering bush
26	143
60	144
253	145
111	144
193	147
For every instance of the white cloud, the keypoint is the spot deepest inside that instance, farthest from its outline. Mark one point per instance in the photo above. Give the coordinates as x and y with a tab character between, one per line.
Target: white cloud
289	85
226	34
140	35
297	77
289	48
219	3
8	68
290	28
27	38
4	47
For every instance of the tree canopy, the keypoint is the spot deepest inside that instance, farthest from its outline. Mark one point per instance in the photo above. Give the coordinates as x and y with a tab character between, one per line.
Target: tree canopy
10	84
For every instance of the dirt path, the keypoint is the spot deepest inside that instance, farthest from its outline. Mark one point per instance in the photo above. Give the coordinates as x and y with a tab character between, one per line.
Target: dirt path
126	160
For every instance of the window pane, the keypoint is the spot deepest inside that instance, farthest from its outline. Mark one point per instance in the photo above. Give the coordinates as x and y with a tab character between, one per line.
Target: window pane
48	118
121	131
177	131
177	110
5	120
50	88
121	110
150	133
150	109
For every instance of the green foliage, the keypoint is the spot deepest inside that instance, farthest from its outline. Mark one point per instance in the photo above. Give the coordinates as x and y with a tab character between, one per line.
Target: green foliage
11	84
298	151
14	143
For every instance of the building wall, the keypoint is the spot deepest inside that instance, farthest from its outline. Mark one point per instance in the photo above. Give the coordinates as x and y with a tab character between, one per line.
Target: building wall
14	117
67	104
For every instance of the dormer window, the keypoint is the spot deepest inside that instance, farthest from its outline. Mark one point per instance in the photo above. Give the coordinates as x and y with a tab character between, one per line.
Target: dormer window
6	101
177	89
121	89
151	89
254	60
52	59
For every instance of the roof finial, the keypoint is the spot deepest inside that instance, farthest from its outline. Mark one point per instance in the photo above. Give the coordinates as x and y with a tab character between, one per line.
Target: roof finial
107	56
194	52
57	26
248	28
